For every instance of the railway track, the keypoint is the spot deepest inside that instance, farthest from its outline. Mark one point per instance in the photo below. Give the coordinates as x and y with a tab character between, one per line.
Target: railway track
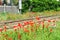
11	23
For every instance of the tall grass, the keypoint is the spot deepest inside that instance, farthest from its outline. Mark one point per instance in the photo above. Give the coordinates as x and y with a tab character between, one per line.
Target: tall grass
16	16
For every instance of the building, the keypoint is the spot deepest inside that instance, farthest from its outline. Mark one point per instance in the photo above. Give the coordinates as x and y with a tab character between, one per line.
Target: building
1	2
7	2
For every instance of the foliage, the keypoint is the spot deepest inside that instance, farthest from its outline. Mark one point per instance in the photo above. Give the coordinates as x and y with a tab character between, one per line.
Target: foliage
40	5
13	16
32	31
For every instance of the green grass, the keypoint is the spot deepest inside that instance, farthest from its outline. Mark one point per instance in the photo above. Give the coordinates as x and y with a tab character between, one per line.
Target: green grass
16	16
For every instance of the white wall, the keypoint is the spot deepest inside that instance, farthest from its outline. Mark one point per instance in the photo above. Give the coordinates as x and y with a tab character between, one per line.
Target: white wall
8	1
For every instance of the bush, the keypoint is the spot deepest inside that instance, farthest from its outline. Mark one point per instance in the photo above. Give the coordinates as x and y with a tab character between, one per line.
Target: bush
40	5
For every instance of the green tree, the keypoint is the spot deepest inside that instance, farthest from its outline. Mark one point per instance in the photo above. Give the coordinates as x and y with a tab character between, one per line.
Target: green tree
15	2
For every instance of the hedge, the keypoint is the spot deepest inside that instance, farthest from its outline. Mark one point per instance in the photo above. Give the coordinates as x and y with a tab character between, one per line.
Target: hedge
40	5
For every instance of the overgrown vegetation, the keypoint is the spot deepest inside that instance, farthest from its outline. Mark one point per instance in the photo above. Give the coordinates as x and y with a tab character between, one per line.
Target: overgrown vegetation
32	31
16	16
41	5
38	5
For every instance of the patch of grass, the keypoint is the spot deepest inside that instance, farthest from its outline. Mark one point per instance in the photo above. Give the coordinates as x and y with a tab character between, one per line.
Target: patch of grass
16	16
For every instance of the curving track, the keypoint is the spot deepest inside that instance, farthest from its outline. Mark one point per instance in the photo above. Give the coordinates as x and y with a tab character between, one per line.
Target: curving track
11	23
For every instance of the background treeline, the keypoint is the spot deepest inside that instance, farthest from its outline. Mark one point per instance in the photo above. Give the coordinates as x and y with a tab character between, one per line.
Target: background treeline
40	5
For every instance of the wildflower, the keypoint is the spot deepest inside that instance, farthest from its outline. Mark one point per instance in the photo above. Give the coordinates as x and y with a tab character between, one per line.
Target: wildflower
0	29
26	30
49	20
15	28
42	22
10	39
20	25
5	28
37	18
31	23
26	23
53	25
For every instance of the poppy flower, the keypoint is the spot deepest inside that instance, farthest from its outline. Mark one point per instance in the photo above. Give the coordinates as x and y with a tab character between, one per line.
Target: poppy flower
20	25
5	28
15	27
53	25
42	22
10	39
0	29
49	20
26	30
31	23
26	22
37	18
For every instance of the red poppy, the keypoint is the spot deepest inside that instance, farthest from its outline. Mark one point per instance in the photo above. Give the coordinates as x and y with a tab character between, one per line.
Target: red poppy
20	25
31	23
42	22
26	23
15	27
0	29
37	18
49	20
5	28
10	39
26	30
